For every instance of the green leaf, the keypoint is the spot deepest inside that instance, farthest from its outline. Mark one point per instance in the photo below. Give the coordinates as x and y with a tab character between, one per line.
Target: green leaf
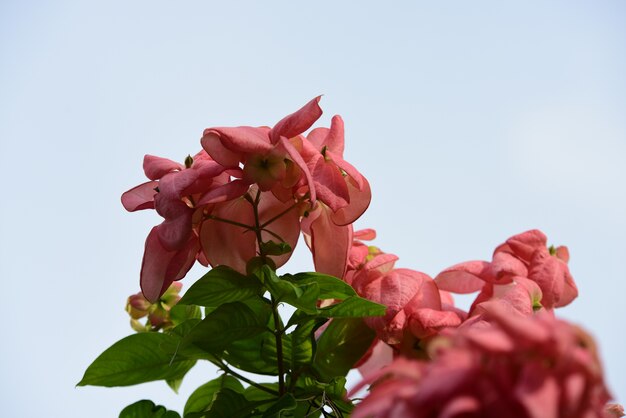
219	286
286	403
202	398
181	349
303	343
353	307
249	355
269	352
330	286
136	359
303	296
147	409
182	313
227	324
227	403
340	346
308	385
254	394
174	384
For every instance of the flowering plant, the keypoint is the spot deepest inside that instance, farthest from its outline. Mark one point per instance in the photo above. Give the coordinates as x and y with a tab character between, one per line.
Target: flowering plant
239	206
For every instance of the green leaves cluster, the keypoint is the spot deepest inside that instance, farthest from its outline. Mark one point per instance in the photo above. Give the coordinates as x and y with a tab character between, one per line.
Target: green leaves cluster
242	329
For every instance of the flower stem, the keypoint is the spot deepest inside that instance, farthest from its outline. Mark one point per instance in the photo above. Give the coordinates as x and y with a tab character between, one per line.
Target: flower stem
278	327
228	221
230	371
278	333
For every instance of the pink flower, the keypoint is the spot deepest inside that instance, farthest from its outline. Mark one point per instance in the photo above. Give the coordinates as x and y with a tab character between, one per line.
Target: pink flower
225	243
172	247
511	366
250	180
268	156
290	166
343	195
414	308
523	256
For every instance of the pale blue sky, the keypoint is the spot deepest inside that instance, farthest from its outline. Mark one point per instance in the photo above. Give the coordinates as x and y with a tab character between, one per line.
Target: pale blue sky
473	121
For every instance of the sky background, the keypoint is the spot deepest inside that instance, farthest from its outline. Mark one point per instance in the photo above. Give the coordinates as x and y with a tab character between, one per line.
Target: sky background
473	121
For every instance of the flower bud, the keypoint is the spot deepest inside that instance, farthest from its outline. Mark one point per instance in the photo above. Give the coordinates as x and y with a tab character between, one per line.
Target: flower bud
157	313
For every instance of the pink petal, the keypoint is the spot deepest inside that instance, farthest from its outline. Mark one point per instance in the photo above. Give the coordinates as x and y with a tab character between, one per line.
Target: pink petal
317	136
382	263
172	187
213	145
461	406
348	168
183	260
505	265
378	356
524	245
297	122
286	226
332	139
157	167
335	139
424	322
538	393
330	185
359	202
562	253
365	234
140	197
570	291
329	243
401	290
227	244
491	340
427	295
225	192
297	158
546	271
464	277
519	327
446	297
161	267
242	139
206	173
174	232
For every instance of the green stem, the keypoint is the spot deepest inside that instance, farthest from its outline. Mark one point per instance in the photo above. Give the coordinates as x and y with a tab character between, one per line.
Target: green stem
230	371
278	327
279	215
278	333
228	221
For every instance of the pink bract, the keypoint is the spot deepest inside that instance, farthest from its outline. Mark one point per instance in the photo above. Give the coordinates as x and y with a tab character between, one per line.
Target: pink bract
207	203
413	301
523	256
512	366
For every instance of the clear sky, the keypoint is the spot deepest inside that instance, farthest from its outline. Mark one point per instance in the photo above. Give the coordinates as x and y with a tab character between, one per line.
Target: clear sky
473	121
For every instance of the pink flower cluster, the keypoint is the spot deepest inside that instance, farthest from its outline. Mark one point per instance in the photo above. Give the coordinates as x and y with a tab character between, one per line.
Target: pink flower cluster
505	365
250	188
416	308
508	356
274	181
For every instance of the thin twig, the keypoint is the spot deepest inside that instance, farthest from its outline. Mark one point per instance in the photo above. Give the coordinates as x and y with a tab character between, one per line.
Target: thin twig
230	371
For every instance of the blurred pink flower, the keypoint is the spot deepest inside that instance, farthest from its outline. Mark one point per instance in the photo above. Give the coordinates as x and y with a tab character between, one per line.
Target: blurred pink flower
511	366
